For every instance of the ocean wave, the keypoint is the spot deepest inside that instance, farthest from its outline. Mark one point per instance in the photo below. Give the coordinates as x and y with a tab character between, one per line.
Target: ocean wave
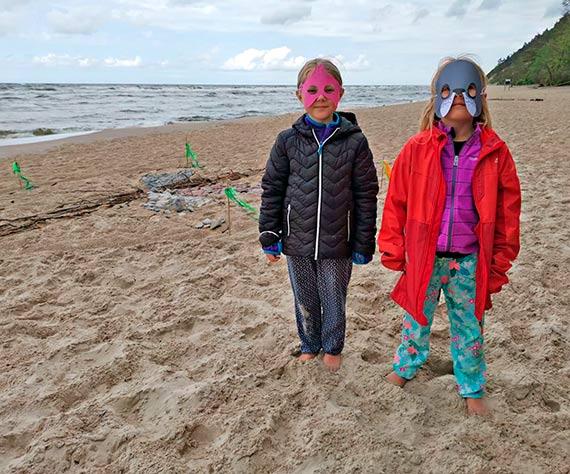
108	106
46	89
193	118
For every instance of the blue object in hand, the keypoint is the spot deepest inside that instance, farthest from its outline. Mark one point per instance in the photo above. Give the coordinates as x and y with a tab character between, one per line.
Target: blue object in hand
273	249
360	259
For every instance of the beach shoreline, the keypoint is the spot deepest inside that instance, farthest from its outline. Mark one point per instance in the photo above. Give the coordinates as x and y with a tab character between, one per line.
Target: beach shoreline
137	341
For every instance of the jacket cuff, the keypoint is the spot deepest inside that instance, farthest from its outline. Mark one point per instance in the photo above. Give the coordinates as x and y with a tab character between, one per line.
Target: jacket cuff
361	259
273	249
268	237
392	263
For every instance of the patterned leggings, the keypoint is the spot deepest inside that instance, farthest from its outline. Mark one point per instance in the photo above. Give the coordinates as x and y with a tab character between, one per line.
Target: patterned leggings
456	277
320	288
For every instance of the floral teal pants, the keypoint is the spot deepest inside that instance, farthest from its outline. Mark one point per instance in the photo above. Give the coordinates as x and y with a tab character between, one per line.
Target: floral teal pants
456	277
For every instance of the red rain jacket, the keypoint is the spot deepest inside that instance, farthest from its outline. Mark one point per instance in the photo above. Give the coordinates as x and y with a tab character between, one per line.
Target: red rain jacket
413	210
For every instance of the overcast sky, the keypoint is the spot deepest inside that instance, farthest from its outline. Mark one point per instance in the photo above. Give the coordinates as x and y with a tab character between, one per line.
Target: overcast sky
256	42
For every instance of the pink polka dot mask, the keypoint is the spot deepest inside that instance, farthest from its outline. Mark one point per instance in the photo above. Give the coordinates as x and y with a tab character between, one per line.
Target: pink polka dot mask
320	82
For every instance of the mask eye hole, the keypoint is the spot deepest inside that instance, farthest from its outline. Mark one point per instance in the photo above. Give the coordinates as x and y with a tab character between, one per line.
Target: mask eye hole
312	90
445	91
329	89
472	91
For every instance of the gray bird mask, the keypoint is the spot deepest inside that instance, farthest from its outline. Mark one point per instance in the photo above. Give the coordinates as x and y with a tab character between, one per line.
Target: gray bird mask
459	77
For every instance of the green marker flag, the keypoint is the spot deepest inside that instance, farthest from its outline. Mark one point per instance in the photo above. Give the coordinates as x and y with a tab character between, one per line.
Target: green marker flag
232	194
18	172
190	153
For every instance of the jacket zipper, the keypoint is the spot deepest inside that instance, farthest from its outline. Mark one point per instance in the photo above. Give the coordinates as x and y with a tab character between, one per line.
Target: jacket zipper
289	220
320	152
453	183
348	238
452	208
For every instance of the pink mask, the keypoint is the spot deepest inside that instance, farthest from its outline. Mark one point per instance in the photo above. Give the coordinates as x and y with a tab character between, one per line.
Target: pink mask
320	79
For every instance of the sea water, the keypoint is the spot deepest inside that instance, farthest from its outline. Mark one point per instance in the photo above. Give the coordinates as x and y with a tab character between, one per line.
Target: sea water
43	110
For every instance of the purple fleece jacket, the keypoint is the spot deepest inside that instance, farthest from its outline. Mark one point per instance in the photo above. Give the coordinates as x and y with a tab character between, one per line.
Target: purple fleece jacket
323	131
457	231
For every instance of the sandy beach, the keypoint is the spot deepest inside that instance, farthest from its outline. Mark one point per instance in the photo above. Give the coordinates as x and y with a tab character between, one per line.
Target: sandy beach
134	342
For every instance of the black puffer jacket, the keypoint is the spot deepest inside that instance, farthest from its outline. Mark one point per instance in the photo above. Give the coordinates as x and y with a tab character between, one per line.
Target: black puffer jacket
321	205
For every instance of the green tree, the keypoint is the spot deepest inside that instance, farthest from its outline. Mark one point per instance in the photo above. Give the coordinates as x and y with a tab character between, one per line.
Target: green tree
551	65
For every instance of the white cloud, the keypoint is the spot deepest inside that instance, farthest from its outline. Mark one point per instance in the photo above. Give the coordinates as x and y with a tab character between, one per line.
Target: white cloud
115	62
359	64
87	62
66	60
245	60
257	59
286	16
281	59
79	21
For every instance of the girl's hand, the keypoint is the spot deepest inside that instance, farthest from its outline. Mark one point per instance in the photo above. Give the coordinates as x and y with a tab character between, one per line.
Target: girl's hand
273	251
361	259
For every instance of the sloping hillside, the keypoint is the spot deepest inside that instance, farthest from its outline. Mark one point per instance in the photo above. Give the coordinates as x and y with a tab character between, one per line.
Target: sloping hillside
545	60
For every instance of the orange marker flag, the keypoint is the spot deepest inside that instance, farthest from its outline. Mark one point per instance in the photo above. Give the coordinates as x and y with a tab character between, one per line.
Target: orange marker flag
387	169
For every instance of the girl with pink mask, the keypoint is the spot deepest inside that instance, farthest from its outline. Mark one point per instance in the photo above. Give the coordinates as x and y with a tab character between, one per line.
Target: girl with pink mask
318	207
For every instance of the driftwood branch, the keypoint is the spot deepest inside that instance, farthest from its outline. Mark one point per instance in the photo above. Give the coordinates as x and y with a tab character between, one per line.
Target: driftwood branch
19	224
196	180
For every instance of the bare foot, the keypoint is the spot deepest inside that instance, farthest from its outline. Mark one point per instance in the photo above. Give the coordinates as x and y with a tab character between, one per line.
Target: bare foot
476	406
332	362
307	356
395	379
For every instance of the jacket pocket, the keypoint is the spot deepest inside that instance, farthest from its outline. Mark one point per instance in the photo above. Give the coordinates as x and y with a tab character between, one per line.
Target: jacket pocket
422	196
487	178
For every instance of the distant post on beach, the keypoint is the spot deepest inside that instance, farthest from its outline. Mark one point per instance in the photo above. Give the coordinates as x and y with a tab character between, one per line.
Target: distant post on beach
507	84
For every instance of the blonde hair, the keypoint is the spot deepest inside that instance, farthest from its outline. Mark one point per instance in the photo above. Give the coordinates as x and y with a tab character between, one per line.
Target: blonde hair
428	116
312	64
